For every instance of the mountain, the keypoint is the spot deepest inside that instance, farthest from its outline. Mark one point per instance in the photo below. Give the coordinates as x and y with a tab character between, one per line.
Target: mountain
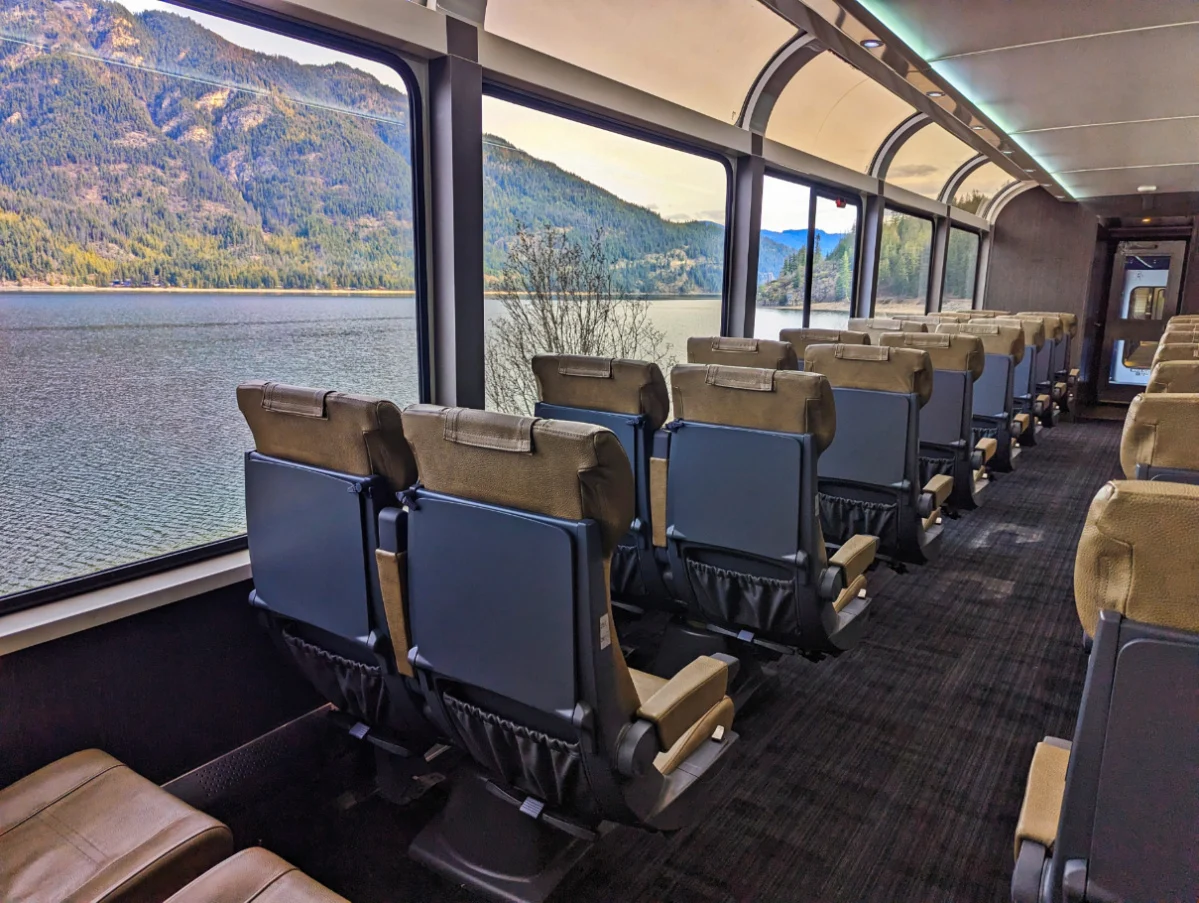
145	149
798	238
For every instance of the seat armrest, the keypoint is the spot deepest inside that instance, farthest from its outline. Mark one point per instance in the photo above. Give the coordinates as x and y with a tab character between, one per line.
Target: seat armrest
988	447
1042	807
685	699
1020	424
940	487
855	556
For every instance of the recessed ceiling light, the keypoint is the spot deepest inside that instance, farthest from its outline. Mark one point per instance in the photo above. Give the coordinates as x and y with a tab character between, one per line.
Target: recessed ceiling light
1008	152
872	43
1146	188
1030	170
1147	219
936	93
978	128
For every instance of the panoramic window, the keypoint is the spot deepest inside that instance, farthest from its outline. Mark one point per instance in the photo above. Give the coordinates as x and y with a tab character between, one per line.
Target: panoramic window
978	188
594	243
928	158
903	264
834	111
185	204
961	264
799	222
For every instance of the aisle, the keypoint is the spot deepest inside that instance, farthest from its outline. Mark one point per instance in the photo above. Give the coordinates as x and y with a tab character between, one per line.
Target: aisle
896	772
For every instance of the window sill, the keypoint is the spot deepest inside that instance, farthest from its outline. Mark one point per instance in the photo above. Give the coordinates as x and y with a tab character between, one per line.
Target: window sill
54	620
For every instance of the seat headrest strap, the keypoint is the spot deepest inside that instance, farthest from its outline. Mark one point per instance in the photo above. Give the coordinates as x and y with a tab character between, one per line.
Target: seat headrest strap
582	365
927	339
487	429
726	343
979	328
296	400
749	379
863	352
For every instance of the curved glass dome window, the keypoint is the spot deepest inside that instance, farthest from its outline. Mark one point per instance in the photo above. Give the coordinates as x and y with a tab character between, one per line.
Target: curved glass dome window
702	54
926	161
833	111
980	187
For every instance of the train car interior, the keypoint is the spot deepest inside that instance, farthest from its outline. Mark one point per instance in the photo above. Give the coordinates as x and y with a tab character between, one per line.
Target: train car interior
689	451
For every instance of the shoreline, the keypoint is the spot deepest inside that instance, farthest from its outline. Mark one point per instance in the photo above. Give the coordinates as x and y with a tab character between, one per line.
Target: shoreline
315	292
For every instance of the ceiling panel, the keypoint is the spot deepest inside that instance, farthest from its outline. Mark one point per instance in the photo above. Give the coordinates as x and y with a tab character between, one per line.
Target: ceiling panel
946	27
1135	144
1137	75
1105	182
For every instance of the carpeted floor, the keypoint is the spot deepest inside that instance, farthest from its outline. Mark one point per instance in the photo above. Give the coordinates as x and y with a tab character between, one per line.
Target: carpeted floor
894	773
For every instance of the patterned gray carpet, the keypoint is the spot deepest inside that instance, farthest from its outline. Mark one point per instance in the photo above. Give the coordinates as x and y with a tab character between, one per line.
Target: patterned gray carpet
894	773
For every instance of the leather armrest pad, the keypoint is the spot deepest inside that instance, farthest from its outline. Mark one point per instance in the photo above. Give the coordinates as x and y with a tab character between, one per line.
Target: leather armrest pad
685	699
393	575
988	447
1042	807
657	499
855	556
1074	373
940	486
1022	421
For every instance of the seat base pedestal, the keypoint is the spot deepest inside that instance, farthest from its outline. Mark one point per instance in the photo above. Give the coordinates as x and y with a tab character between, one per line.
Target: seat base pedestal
487	844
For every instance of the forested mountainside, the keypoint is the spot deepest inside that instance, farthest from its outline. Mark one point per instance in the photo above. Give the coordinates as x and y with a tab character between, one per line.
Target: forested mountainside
144	148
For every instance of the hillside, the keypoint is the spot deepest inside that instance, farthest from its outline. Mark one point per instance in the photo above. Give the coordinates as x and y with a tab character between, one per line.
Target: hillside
145	149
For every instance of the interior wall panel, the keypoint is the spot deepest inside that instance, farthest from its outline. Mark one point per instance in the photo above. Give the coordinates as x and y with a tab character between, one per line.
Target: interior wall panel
1041	255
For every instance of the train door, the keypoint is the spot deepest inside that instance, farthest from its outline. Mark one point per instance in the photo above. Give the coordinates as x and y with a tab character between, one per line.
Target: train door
1143	294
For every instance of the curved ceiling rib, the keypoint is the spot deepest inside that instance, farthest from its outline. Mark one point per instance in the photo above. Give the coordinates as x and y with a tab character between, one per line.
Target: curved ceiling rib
774	77
1004	197
893	142
954	182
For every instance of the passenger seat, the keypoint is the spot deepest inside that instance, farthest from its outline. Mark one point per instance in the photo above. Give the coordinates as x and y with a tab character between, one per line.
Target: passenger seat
800	339
1161	438
877	327
87	829
1029	400
723	351
1174	376
255	876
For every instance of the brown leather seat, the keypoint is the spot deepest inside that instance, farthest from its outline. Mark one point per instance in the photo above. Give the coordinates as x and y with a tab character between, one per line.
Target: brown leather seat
947	351
876	327
1186	351
1161	430
800	339
1069	321
255	876
1174	376
603	384
995	338
730	352
1034	328
87	829
883	369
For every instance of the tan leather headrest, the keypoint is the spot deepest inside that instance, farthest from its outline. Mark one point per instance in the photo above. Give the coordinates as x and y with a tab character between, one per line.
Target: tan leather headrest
876	327
926	319
1034	328
556	468
1135	557
350	434
1161	430
996	339
800	339
947	351
1174	376
1180	336
603	384
1069	321
1054	328
1183	351
723	351
983	314
882	368
784	401
957	316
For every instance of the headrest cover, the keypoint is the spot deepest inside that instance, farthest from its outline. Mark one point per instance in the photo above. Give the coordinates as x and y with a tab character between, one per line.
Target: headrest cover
732	352
1034	328
957	316
1129	557
800	339
996	339
1069	321
573	471
879	368
1174	376
990	313
1186	351
1180	336
947	351
878	325
1161	429
1054	328
349	434
603	384
796	402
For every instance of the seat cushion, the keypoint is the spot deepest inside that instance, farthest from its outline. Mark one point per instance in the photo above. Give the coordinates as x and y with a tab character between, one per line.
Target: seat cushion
255	875
719	717
87	829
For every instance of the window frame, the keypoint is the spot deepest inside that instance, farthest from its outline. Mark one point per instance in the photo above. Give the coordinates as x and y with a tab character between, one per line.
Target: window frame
978	256
817	190
534	101
932	247
333	40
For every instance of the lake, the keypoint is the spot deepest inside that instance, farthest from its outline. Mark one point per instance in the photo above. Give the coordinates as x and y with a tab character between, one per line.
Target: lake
120	437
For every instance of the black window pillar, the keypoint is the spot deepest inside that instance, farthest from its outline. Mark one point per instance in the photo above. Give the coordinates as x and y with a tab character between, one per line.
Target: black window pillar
746	229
